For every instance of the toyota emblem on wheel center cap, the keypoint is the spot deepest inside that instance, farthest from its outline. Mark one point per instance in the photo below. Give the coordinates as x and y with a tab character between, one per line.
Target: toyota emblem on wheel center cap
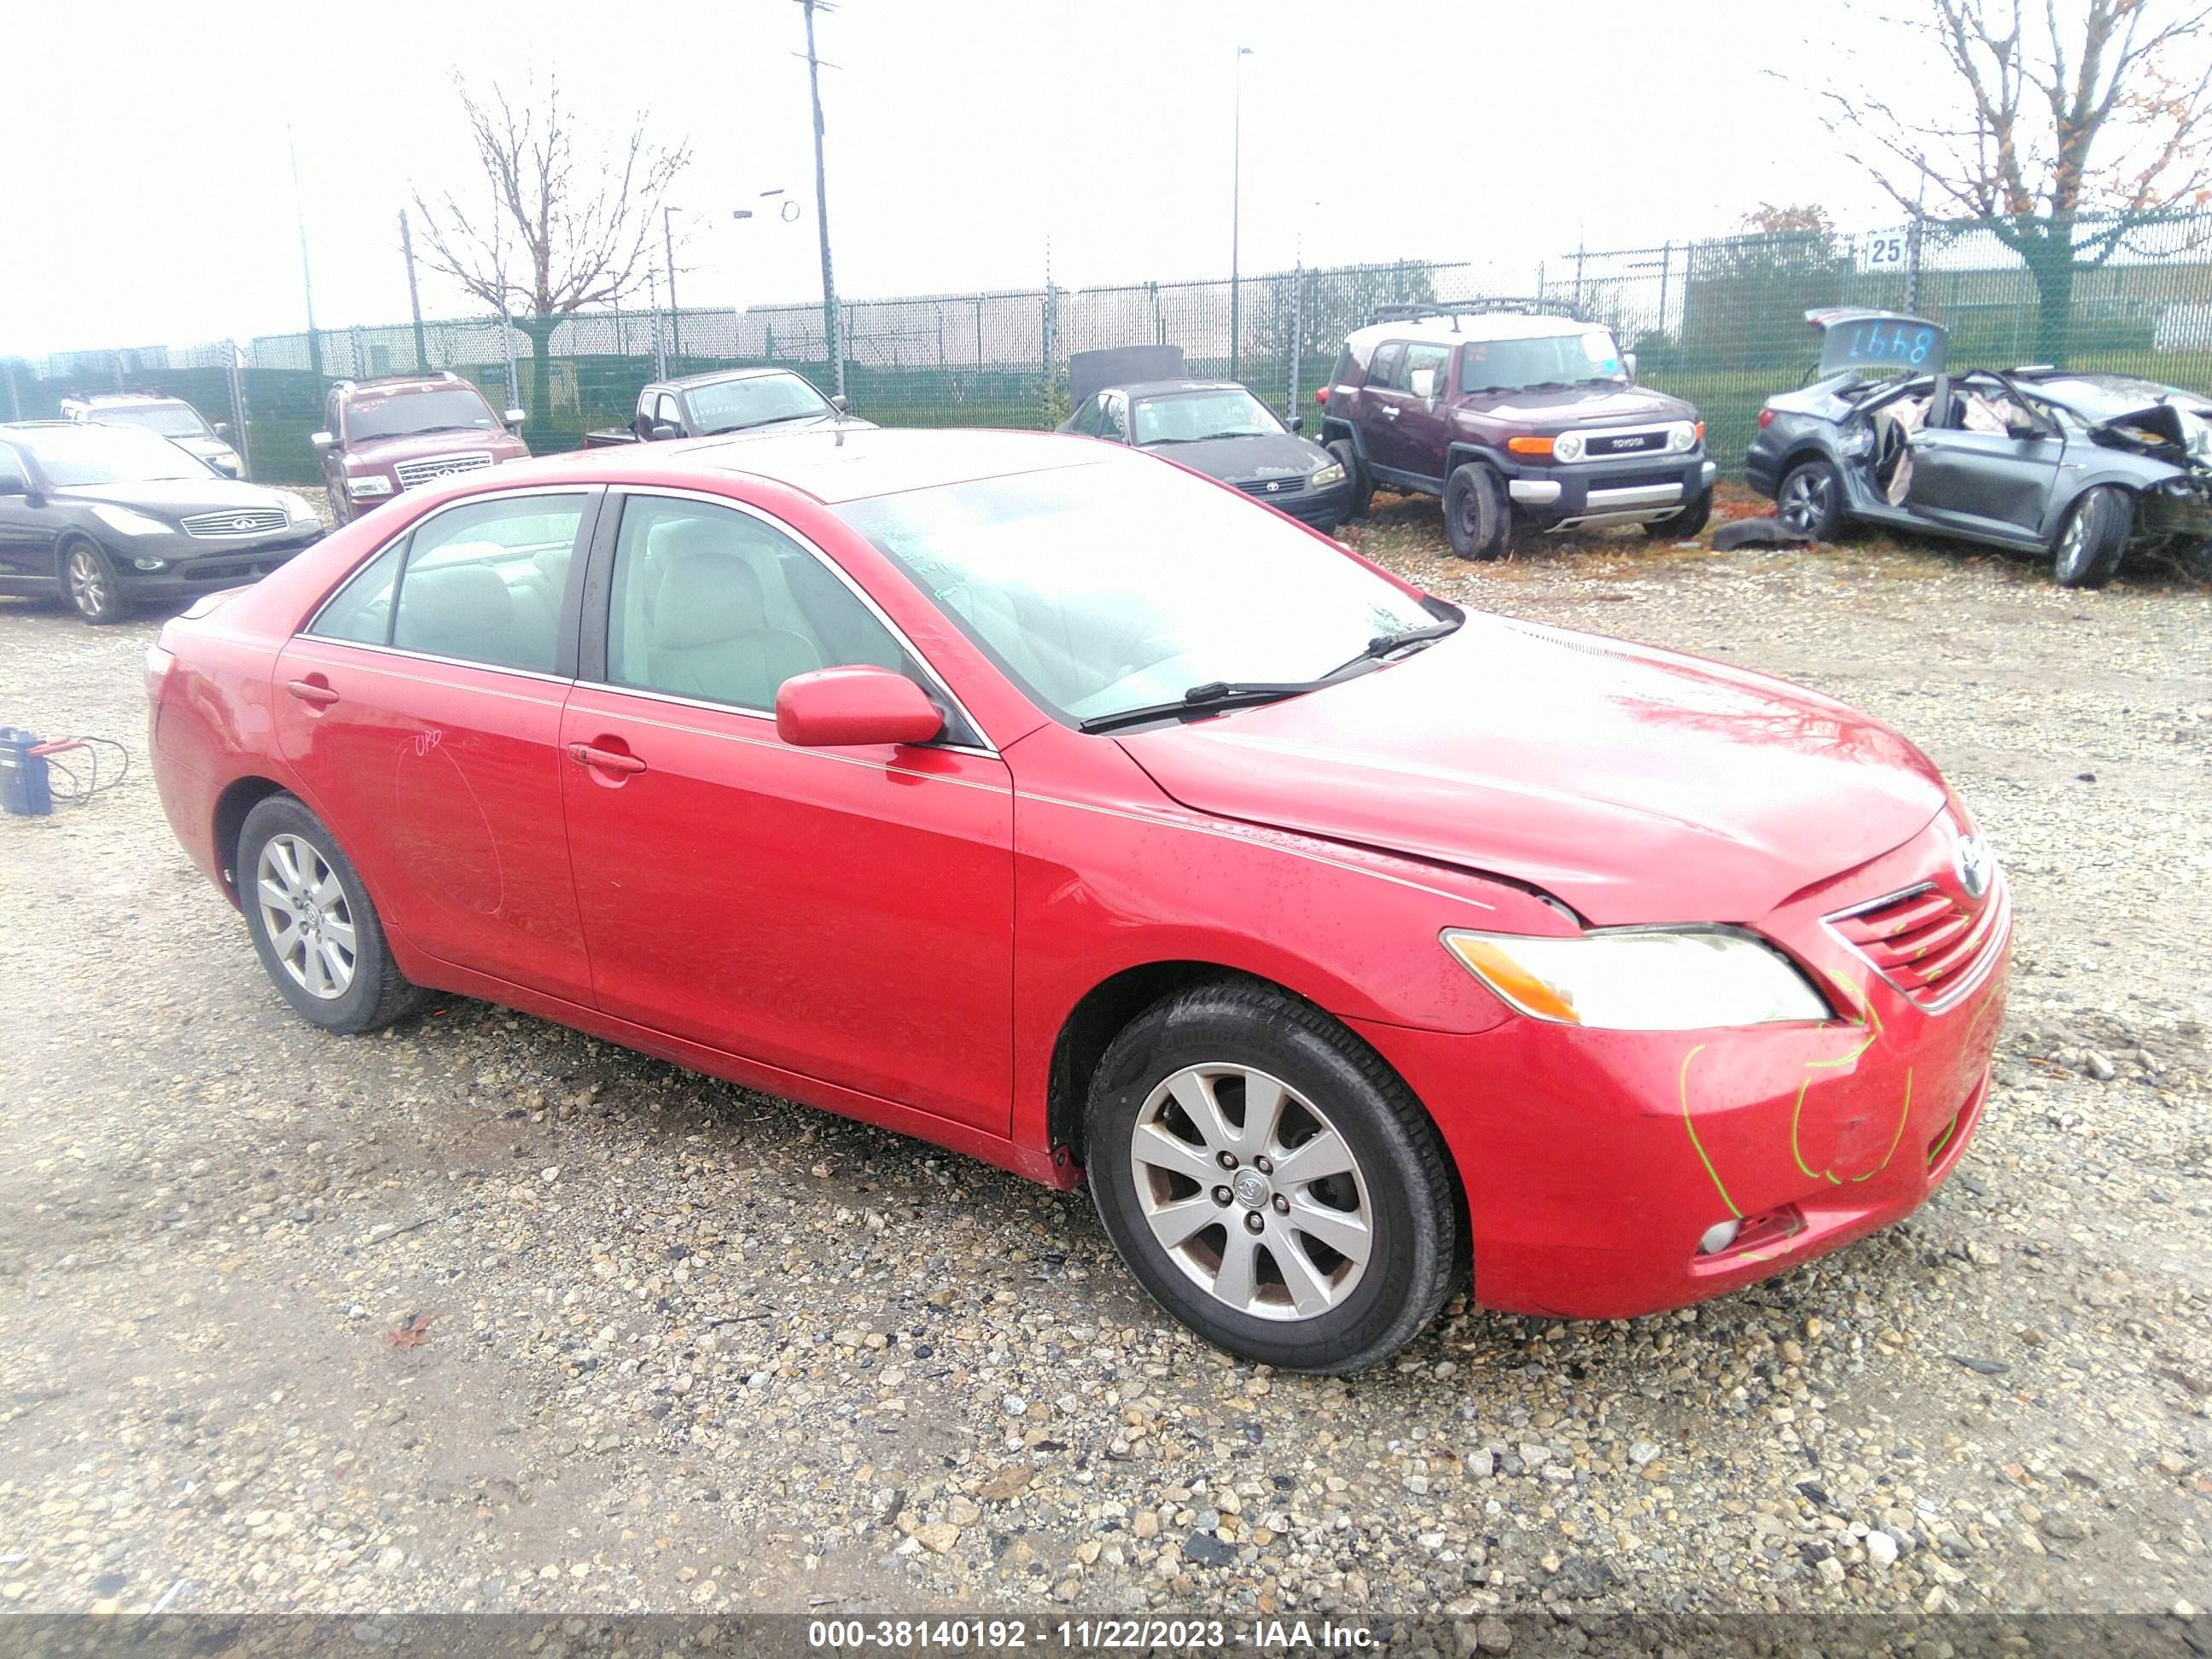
1975	862
1252	1188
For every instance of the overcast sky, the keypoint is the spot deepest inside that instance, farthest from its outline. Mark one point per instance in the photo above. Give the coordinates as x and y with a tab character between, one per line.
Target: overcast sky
152	200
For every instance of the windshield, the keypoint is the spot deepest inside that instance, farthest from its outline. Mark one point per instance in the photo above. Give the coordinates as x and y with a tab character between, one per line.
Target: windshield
74	456
170	420
1585	357
450	408
729	405
1106	587
1184	417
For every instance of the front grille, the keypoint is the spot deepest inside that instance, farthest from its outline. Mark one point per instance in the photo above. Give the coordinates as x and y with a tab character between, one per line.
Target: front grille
413	474
1927	942
1264	488
1604	446
246	521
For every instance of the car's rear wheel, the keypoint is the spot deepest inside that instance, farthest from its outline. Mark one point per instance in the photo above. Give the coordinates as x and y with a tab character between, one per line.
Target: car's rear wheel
1810	502
314	925
1477	520
1684	525
2093	539
1270	1181
88	582
1361	488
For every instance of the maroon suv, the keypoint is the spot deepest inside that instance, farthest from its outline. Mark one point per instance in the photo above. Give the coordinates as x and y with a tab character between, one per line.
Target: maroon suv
382	436
1518	420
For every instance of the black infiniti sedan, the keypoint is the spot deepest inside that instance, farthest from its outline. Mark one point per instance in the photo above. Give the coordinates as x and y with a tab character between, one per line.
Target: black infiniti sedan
104	516
1218	428
2082	468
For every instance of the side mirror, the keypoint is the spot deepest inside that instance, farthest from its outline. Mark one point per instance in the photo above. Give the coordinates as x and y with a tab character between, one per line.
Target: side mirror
1425	384
659	429
223	428
837	403
1297	422
514	417
323	441
1628	363
833	708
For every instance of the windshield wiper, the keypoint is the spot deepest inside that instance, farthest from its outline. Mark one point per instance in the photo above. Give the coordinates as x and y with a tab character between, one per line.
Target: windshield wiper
1204	700
1383	644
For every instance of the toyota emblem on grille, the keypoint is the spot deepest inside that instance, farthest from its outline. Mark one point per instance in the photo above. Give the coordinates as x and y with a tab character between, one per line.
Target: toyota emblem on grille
1274	485
1975	863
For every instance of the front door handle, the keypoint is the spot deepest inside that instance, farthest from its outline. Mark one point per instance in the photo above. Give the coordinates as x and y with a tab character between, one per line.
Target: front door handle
1389	412
607	760
313	692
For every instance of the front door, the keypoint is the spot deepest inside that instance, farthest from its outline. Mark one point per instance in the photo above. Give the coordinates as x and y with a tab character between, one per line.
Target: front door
421	710
844	914
27	537
1974	473
1383	402
1422	433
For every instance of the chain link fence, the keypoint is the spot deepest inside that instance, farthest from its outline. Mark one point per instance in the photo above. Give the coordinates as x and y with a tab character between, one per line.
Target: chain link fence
1719	321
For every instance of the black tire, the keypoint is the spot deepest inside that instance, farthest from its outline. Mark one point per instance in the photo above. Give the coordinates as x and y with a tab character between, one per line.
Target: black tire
1684	525
1478	523
1361	495
1401	1186
1810	499
2095	534
376	994
90	586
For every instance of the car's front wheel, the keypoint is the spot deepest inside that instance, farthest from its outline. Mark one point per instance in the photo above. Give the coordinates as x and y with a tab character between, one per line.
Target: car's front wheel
1270	1181
314	925
2093	539
1810	502
1477	520
1360	488
88	582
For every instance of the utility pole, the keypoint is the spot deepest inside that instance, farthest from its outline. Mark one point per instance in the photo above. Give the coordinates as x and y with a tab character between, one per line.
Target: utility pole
837	340
414	294
675	317
1235	209
306	273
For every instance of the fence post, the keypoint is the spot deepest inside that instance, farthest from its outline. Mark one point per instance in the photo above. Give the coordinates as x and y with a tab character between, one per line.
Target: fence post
236	386
1297	332
1665	259
1050	319
1578	276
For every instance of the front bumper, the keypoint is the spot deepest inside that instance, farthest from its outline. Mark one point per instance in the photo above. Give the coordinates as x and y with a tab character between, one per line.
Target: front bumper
1593	494
194	564
1593	1162
1323	508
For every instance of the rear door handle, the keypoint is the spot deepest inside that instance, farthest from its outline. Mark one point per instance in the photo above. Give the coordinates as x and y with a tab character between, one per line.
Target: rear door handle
607	760
312	691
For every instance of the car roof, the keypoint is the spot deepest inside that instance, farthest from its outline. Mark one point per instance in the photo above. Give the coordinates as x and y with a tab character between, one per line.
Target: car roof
719	375
391	385
123	399
1162	388
838	464
1476	326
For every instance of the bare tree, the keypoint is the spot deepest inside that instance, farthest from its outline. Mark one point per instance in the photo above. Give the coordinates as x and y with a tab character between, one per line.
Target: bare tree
2071	124
563	231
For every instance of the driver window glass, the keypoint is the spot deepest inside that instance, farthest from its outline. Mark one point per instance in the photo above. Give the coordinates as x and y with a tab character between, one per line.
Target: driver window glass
665	410
713	603
1386	373
1086	418
13	468
1114	418
1433	358
483	582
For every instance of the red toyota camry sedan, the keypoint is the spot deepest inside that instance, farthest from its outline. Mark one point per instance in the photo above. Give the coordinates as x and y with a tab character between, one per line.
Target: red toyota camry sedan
1056	805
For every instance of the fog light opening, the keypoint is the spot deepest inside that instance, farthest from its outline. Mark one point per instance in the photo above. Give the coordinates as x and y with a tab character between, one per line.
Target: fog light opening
151	564
1718	1236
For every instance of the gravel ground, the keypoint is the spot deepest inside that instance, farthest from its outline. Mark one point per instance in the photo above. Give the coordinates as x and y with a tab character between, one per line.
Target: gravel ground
480	1313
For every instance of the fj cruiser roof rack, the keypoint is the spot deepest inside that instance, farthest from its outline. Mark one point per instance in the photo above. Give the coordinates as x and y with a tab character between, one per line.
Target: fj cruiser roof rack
1448	310
396	379
112	392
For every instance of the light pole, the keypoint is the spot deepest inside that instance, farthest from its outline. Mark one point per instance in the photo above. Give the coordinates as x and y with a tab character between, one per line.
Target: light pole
675	317
1235	207
835	342
306	272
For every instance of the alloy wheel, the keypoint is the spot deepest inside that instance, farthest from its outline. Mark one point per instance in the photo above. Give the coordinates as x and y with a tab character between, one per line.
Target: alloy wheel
1804	502
87	583
1251	1192
2073	542
308	915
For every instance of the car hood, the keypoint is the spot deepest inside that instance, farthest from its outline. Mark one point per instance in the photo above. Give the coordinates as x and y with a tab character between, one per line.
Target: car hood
1637	785
173	498
1266	455
1575	405
2165	431
422	446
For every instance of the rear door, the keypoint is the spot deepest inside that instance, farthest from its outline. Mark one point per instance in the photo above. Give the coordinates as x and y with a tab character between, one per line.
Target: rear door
421	710
843	913
1989	467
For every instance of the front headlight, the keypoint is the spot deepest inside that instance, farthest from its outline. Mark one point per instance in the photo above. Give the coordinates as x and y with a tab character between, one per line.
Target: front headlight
130	522
368	484
1637	979
1567	446
297	507
1683	435
1330	474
